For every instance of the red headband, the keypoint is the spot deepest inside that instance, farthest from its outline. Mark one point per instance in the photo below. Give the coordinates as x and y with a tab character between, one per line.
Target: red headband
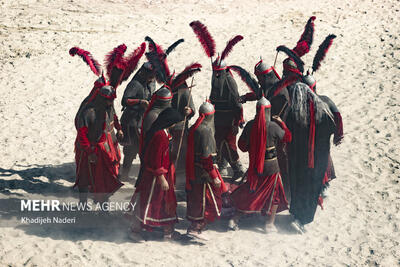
265	71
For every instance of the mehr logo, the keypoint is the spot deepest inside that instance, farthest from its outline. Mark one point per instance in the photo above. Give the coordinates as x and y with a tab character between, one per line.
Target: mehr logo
40	205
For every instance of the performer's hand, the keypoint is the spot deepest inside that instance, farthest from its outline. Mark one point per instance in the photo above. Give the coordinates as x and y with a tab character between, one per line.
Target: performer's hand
242	99
163	182
188	111
337	140
92	158
217	182
144	103
120	135
277	119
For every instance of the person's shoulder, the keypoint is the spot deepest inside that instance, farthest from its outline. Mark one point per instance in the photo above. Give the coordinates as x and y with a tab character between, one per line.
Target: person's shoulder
274	125
134	85
248	126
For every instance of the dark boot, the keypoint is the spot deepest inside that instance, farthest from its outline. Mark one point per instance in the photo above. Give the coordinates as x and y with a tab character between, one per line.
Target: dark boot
222	167
238	171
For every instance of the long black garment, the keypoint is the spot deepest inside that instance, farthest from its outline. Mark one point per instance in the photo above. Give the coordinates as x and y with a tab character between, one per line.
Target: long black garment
305	182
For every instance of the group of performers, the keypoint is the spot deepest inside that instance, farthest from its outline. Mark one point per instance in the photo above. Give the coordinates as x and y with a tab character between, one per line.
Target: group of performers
288	141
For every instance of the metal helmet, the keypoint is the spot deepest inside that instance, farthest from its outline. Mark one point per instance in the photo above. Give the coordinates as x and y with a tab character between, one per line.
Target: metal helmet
108	92
219	64
263	102
260	67
289	64
147	65
206	107
310	81
163	94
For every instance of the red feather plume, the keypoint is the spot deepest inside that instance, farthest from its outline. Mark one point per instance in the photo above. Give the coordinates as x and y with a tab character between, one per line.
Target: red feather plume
204	37
304	44
185	74
115	57
321	52
132	61
87	58
232	42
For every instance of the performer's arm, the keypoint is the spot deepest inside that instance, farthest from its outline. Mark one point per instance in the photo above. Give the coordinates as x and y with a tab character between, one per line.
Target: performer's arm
191	108
248	97
338	136
84	142
159	146
243	140
209	167
132	101
117	125
287	137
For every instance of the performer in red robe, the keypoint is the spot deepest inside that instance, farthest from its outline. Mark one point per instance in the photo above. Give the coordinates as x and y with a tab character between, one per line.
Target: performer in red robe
204	185
263	191
155	195
96	150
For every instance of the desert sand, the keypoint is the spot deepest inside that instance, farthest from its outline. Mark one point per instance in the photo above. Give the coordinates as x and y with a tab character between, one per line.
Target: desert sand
42	86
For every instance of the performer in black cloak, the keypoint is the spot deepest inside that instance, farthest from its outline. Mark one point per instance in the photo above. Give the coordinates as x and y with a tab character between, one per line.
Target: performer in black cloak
225	96
311	123
135	100
311	82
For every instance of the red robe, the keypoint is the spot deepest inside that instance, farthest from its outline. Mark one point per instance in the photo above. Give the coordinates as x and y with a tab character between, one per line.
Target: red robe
157	207
101	176
266	191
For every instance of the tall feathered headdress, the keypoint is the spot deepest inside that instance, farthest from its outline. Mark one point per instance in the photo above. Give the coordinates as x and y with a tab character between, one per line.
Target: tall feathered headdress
162	62
204	37
321	52
299	63
132	60
230	45
156	57
87	58
303	46
115	59
185	74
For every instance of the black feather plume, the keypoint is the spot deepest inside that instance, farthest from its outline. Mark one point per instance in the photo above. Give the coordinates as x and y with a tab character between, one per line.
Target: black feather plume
158	68
293	56
173	46
321	52
250	81
155	59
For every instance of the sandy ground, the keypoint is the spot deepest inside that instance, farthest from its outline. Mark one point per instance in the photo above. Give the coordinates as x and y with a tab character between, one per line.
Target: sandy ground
42	87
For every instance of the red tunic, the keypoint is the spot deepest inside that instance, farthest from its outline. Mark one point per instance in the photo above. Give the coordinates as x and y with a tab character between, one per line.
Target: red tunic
101	176
157	207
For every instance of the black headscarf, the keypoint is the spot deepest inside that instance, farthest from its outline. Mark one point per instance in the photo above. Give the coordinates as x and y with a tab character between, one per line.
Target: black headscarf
166	119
